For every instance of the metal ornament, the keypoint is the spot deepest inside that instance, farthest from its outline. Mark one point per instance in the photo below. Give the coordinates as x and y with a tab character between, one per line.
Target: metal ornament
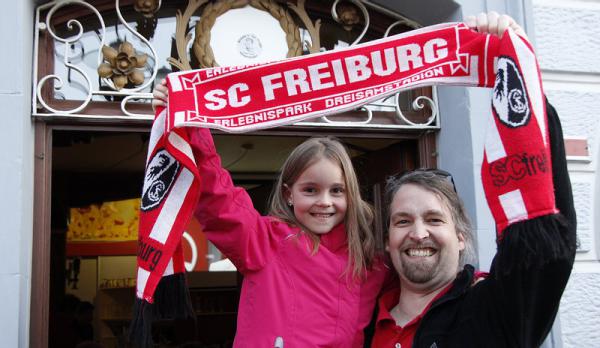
122	77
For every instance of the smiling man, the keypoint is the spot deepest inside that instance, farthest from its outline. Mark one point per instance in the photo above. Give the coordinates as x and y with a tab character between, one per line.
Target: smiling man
424	243
443	302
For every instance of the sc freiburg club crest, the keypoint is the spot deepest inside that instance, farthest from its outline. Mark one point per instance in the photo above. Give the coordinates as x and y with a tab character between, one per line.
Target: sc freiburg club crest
510	101
160	175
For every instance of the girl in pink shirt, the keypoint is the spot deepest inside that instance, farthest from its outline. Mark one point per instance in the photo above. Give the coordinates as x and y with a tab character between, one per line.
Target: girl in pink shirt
311	271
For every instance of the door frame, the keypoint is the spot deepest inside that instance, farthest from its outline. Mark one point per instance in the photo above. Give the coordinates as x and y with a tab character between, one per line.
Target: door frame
41	247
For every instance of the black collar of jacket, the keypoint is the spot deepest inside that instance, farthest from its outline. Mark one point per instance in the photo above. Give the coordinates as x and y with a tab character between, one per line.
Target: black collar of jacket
464	279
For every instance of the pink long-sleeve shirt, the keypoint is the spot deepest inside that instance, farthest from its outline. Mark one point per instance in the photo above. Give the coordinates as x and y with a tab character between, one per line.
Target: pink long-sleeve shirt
288	293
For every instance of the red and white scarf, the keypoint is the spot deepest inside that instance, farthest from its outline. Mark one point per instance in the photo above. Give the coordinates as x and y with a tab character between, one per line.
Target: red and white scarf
516	171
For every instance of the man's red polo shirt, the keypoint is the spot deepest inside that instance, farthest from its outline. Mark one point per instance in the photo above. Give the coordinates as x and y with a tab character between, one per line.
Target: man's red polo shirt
390	335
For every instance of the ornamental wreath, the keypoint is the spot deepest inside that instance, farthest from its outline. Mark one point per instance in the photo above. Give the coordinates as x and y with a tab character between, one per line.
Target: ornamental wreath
202	48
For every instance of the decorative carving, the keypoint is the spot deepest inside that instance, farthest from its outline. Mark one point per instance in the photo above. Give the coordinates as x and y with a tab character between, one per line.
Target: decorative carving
72	24
417	104
201	46
348	15
249	46
146	7
143	41
147	22
313	29
123	65
182	37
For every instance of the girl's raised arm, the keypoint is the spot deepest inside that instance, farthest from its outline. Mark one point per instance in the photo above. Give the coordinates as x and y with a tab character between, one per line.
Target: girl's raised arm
227	214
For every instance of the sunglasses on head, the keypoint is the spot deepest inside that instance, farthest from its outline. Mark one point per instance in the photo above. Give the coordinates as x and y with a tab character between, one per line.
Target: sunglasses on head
430	171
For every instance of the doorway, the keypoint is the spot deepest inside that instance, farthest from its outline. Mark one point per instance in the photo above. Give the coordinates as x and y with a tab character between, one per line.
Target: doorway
96	178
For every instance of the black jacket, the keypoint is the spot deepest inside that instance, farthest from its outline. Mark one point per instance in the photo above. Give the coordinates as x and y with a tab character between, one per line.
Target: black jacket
517	303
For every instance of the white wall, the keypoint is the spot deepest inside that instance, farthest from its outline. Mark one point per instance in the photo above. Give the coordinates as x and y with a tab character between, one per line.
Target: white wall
16	172
568	47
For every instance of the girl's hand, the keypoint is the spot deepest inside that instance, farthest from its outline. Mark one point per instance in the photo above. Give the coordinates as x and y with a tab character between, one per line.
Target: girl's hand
160	94
494	23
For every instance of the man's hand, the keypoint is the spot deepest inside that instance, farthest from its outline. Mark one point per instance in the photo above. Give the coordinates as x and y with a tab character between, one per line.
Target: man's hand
160	94
494	23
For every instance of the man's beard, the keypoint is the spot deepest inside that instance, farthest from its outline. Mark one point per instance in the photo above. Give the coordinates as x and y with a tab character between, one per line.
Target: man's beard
419	272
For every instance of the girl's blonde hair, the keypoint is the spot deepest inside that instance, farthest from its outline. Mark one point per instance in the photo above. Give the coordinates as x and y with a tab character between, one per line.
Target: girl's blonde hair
359	214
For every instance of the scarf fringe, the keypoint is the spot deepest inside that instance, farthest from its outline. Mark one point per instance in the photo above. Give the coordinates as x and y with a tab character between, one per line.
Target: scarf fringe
171	301
140	330
533	243
172	298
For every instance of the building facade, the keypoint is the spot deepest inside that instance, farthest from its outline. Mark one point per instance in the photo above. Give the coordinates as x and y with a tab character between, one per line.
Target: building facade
567	47
565	34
